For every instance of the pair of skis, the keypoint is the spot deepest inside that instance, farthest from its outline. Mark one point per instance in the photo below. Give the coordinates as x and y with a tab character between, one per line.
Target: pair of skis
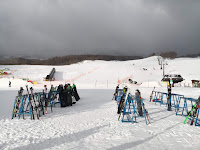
146	112
32	101
196	107
115	94
17	103
122	104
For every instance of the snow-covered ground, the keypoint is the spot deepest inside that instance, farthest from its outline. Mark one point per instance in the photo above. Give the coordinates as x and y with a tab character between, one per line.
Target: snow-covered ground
92	123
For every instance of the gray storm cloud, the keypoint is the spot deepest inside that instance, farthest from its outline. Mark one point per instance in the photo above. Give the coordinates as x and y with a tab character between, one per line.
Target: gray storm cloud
113	27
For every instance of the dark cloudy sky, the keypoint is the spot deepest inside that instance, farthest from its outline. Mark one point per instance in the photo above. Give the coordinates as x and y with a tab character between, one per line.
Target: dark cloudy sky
113	27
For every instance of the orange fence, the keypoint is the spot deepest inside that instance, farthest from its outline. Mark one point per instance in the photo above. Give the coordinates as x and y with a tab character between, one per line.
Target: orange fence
73	79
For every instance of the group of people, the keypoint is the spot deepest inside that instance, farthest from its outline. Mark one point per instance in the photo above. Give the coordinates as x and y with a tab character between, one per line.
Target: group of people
66	92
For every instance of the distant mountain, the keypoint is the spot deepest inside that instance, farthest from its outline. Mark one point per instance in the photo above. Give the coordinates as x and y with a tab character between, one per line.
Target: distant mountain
71	59
65	60
171	55
192	55
25	57
5	57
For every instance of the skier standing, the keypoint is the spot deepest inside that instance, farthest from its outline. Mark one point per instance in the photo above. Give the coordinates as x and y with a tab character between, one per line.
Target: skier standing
62	95
9	83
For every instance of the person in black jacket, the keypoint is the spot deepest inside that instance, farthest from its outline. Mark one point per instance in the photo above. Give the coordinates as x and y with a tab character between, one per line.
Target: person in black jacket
68	94
62	96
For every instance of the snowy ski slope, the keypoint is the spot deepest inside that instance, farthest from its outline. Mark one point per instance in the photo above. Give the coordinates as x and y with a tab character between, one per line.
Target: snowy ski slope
92	122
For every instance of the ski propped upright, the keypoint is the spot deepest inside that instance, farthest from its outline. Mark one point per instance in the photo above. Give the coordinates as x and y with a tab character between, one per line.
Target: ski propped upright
30	101
36	106
17	102
122	104
196	104
146	112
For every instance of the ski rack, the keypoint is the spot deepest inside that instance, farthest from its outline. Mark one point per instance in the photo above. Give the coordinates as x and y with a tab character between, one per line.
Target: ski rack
143	109
158	97
176	103
185	105
22	111
17	101
25	103
52	97
175	99
130	113
127	110
39	100
185	108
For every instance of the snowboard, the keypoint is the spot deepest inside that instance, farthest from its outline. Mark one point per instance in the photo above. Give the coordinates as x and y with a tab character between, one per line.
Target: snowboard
76	96
75	93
